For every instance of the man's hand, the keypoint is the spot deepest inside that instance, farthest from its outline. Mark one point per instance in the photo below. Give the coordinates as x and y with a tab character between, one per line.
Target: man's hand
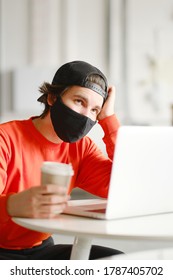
38	202
109	105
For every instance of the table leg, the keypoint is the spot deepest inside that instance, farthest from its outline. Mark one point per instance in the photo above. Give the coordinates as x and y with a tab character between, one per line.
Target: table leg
81	248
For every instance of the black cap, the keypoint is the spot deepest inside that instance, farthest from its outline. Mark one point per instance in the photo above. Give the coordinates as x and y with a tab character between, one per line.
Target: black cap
77	73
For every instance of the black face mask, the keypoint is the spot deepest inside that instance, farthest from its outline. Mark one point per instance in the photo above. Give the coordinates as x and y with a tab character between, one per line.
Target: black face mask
69	125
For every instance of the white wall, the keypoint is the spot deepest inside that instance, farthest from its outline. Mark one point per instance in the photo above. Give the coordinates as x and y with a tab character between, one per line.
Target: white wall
130	40
43	34
150	61
14	45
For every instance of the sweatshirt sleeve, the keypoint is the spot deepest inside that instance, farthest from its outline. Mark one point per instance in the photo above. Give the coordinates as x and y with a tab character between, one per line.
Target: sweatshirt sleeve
4	156
110	127
4	216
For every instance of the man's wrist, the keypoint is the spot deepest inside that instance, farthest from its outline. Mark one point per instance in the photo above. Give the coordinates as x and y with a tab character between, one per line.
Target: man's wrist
109	124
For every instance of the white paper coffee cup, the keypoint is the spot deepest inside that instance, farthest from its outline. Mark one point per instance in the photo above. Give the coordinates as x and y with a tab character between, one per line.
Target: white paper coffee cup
56	173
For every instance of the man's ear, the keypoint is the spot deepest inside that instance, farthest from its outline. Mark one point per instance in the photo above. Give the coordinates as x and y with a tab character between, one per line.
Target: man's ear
51	99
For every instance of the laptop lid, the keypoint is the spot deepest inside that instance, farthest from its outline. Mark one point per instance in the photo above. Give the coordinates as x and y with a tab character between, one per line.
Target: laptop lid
141	179
142	173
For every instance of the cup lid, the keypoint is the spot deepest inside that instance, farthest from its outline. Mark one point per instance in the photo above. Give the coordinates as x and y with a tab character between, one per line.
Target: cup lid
57	168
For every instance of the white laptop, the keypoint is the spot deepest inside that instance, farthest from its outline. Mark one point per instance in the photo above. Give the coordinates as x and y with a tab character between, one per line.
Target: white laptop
141	178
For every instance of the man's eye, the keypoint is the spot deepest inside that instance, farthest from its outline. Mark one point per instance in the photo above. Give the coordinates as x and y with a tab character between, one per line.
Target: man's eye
95	111
78	101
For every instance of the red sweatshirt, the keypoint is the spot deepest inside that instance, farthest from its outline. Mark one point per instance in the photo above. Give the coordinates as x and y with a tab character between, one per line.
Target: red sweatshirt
22	152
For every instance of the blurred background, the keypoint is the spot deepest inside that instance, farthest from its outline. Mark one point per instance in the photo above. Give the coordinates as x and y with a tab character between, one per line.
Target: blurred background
131	41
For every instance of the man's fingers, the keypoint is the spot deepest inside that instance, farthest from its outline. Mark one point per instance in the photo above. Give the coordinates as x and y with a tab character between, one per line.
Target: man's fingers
50	189
53	198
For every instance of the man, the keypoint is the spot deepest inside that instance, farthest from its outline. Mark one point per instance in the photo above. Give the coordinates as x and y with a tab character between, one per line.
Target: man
76	99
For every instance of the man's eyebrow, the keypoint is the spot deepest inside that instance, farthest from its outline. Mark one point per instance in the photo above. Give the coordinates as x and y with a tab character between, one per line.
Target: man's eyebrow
80	96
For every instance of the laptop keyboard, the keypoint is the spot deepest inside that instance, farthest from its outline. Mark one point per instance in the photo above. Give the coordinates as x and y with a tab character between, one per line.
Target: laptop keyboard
98	210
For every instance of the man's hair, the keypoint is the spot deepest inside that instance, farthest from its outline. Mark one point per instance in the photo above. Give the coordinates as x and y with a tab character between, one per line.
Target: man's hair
56	90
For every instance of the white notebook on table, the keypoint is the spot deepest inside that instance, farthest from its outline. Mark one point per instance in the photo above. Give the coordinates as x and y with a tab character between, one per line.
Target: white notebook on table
141	179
